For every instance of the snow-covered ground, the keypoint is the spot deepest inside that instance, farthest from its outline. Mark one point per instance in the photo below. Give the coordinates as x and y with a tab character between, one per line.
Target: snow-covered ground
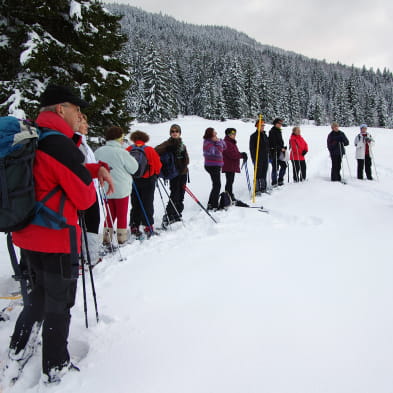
296	301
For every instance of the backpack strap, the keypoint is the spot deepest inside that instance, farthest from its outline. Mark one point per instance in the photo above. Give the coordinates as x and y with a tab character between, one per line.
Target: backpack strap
49	218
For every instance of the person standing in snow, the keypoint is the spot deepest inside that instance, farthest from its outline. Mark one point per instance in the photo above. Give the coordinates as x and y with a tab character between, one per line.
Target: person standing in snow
145	187
213	148
232	158
263	156
92	214
51	254
123	165
175	146
336	141
277	149
364	142
299	149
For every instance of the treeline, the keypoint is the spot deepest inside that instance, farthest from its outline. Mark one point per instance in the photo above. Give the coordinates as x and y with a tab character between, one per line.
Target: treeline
217	72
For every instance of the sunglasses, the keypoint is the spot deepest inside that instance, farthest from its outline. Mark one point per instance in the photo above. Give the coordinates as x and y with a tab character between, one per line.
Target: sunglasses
174	131
232	133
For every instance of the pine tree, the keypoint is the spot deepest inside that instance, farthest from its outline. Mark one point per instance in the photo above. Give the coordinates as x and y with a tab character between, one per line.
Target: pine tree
156	105
62	42
233	89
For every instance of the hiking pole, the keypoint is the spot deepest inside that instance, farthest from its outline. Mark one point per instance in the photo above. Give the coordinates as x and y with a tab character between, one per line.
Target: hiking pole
188	191
163	203
84	289
256	158
341	155
349	169
247	176
171	201
299	174
372	159
104	201
93	289
142	207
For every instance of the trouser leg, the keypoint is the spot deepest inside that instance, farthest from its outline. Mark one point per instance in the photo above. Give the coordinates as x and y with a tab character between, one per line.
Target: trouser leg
360	168
368	167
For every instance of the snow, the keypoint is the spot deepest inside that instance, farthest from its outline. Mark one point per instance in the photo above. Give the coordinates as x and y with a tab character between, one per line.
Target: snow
295	301
75	10
30	46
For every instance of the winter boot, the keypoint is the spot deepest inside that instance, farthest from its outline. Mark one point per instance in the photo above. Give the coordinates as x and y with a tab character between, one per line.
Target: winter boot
149	232
56	374
107	236
122	235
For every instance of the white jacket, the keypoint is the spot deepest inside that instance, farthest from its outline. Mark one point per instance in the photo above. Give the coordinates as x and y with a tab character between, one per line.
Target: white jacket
360	143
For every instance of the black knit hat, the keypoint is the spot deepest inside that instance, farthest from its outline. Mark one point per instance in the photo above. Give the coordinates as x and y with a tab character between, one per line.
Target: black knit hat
277	120
55	94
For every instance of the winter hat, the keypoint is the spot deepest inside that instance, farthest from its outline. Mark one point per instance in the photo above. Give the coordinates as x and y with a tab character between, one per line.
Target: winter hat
363	126
277	120
175	127
230	131
55	94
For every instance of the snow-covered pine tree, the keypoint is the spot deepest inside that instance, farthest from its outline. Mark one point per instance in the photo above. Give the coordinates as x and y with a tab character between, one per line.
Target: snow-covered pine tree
66	42
156	105
234	89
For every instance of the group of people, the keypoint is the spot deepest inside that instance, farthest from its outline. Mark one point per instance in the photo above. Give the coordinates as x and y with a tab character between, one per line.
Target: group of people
66	161
364	143
224	156
141	188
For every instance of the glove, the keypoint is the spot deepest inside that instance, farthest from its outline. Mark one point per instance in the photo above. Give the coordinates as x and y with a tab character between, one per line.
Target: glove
304	152
105	165
368	140
244	156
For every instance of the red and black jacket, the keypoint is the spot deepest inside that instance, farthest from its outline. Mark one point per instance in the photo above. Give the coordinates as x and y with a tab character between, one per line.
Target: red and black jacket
59	162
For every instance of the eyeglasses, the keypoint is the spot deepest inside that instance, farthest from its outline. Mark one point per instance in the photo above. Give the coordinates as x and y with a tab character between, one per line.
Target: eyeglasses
174	131
232	133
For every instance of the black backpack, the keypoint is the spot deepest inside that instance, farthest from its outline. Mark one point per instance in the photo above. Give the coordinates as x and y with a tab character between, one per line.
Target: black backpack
18	205
224	201
138	152
168	169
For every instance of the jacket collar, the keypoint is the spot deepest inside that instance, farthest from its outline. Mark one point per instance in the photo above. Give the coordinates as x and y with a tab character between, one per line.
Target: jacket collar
53	121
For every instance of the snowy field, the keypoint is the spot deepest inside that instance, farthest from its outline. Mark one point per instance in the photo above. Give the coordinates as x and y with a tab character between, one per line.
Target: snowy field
296	301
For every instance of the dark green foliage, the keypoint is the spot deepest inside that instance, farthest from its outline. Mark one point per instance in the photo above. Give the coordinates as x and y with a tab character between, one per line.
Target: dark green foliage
64	42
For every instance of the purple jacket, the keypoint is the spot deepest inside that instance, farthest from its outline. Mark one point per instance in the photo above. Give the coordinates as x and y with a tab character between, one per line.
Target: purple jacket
231	156
212	151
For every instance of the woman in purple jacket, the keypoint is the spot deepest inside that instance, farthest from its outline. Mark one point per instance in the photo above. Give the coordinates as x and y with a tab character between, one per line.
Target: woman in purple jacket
232	158
213	148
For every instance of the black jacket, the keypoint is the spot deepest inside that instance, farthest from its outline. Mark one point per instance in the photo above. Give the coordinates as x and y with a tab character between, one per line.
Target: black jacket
263	155
276	142
335	142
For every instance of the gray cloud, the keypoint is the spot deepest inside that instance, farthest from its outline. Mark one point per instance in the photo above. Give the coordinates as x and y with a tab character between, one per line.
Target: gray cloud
349	31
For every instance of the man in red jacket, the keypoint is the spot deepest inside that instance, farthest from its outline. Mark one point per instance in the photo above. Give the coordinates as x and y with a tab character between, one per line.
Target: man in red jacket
47	253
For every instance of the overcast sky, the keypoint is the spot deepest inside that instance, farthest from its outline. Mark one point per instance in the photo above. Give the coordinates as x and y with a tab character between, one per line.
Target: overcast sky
358	32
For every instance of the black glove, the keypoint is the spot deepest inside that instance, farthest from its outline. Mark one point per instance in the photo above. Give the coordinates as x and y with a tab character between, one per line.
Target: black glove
368	140
244	156
304	152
